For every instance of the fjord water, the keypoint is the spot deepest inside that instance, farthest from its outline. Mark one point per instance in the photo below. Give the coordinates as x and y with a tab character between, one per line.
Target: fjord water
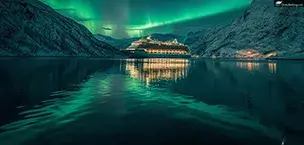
53	101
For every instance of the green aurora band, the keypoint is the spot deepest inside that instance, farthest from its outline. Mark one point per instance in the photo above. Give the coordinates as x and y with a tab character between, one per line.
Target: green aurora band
140	15
105	16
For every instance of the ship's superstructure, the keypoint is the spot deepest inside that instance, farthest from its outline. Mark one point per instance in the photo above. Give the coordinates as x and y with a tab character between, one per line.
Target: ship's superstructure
154	48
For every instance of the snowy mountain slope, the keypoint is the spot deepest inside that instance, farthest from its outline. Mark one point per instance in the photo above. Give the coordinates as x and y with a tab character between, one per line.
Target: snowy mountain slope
117	43
262	27
31	28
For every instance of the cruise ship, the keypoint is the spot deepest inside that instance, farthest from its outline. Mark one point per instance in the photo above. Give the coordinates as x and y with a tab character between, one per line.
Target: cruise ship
149	48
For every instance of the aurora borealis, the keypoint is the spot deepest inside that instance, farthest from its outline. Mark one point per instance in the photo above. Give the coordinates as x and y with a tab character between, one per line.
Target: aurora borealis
129	18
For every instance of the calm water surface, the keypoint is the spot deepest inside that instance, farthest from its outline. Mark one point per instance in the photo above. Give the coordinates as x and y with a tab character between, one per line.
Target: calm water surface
151	102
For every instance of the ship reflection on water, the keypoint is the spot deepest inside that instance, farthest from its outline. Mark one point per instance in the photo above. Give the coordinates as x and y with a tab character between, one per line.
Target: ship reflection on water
155	69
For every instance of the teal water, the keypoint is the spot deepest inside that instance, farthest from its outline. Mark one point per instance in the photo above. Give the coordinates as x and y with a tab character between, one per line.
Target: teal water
55	101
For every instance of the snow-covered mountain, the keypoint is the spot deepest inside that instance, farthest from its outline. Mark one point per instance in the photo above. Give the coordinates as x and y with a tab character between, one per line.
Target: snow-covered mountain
31	28
117	43
262	27
192	37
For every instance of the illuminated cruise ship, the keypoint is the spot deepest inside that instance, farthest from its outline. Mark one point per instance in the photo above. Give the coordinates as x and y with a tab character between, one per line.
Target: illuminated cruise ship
148	48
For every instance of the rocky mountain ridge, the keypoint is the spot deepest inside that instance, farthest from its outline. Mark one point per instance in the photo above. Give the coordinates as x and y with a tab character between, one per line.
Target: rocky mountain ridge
31	28
262	27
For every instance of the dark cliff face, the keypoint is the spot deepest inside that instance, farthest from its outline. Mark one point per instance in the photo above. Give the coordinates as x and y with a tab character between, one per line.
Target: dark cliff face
31	28
117	43
262	27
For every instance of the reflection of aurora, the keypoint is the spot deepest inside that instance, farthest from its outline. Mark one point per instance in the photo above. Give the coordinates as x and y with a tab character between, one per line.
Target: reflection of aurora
149	70
220	117
97	90
51	113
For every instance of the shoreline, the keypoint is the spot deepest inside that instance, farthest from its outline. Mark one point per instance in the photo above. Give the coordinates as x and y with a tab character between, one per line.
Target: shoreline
63	57
121	57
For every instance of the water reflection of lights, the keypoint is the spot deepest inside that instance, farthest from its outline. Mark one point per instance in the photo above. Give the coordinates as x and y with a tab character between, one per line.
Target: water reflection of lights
272	67
149	70
250	66
254	66
150	66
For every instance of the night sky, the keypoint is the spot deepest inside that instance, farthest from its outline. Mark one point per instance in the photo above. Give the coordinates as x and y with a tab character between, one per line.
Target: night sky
130	18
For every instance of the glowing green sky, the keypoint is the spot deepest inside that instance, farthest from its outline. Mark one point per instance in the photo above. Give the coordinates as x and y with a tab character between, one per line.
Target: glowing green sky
123	18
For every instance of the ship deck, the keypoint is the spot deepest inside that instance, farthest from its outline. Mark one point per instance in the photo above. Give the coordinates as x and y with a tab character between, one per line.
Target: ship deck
144	54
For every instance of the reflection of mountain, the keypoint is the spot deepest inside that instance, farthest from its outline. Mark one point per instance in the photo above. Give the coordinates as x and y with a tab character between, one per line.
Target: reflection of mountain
20	79
261	87
152	70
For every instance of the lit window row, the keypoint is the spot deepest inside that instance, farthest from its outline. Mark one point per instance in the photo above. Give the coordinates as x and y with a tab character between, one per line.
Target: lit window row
167	51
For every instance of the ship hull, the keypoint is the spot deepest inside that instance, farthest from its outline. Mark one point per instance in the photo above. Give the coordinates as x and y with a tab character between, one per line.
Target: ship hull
143	54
